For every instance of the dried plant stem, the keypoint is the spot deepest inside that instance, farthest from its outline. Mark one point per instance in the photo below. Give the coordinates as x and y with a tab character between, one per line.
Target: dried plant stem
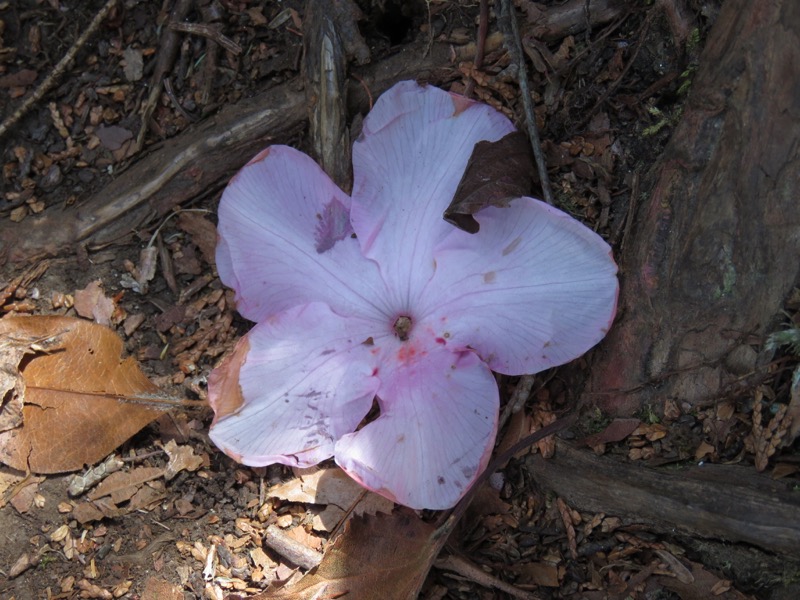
291	549
465	568
168	50
518	399
210	32
483	28
59	69
508	23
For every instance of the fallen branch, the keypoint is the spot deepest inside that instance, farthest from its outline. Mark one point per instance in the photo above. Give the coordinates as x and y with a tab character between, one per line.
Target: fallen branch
727	502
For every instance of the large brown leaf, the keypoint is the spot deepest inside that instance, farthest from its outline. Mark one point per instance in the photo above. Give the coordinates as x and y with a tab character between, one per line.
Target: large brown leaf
81	400
497	172
381	557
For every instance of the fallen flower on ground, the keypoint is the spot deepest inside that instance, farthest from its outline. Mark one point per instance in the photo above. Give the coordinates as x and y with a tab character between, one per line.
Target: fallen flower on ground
374	297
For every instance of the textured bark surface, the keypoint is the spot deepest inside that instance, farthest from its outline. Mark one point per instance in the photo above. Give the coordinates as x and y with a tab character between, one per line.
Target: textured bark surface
724	502
715	245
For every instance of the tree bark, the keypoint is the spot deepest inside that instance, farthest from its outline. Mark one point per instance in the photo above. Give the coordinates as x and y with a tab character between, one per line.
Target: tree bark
715	245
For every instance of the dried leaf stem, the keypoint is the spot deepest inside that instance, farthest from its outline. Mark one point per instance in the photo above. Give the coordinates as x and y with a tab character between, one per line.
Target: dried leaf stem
483	28
508	24
58	70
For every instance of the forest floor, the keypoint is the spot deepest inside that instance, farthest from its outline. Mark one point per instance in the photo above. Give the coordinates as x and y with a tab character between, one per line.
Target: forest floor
183	520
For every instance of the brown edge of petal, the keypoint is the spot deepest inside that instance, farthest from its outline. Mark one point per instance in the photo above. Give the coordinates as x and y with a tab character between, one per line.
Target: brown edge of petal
224	391
460	103
260	156
257	158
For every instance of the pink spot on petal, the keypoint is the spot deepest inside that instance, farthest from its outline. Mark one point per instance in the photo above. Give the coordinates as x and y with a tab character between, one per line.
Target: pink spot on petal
441	341
409	353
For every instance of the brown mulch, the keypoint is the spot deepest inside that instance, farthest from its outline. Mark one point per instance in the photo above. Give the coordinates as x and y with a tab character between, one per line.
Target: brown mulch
181	520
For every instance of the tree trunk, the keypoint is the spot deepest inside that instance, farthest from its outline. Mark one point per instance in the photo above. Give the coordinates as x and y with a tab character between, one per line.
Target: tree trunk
715	245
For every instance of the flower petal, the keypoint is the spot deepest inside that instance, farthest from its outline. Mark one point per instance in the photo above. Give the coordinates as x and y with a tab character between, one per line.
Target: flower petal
407	164
285	240
296	383
435	432
532	289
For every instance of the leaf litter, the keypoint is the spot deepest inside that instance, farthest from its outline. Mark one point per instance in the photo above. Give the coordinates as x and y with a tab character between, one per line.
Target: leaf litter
242	495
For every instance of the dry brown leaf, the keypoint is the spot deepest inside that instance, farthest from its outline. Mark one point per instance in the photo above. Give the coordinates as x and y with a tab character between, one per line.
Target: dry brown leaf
383	556
180	458
22	497
704	585
616	431
782	470
309	540
203	233
497	172
703	450
566	517
75	411
88	511
8	485
12	384
147	495
543	573
92	303
122	485
334	488
519	426
318	486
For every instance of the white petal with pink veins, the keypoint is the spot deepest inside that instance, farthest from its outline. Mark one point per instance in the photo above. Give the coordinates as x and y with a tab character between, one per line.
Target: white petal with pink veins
533	289
306	377
285	240
407	164
436	429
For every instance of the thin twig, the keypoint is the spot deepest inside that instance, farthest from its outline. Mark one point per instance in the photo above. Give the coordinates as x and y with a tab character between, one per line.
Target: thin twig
474	573
518	399
508	23
59	69
168	50
211	32
483	28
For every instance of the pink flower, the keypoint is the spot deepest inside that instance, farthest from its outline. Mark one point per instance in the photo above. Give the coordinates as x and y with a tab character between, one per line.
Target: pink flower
375	296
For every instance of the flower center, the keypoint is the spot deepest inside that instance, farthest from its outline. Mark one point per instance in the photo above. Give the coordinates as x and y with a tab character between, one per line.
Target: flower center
402	326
